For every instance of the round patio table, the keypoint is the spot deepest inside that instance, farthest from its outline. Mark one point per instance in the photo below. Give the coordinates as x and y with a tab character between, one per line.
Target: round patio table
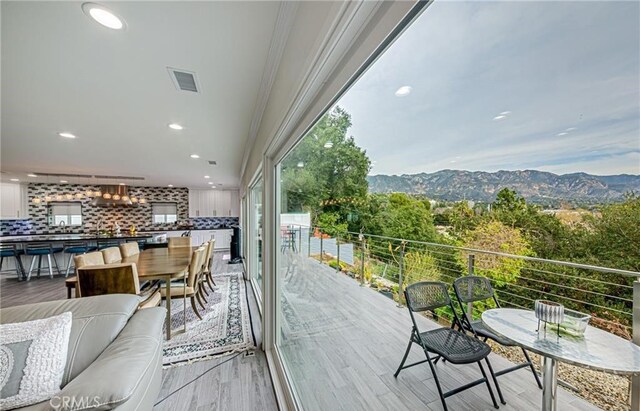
597	349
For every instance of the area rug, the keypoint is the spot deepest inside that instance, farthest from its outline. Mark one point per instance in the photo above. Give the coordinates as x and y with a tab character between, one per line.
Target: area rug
224	329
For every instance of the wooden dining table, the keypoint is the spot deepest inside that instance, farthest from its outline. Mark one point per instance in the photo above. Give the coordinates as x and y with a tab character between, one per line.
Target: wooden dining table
164	264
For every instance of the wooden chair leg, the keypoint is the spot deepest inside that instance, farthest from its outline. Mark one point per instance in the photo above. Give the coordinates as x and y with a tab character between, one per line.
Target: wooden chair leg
195	309
198	297
210	281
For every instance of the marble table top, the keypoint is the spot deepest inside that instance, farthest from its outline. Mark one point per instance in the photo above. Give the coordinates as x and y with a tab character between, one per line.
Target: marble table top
597	349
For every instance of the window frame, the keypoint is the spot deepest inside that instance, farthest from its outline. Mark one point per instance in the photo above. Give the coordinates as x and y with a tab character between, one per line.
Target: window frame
165	215
53	220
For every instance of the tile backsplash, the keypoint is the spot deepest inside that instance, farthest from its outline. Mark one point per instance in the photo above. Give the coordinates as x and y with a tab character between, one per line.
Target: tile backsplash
140	216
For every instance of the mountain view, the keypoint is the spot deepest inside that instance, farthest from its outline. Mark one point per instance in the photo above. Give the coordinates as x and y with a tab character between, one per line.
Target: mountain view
535	186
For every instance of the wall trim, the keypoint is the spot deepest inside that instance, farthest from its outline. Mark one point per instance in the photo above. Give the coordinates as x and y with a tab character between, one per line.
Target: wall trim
284	23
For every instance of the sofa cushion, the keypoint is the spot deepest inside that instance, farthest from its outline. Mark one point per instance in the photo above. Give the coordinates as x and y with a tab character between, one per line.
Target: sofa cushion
32	360
123	368
96	323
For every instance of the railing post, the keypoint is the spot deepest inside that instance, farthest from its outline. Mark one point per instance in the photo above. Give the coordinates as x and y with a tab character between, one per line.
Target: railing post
321	250
338	253
400	274
471	263
635	380
309	244
362	247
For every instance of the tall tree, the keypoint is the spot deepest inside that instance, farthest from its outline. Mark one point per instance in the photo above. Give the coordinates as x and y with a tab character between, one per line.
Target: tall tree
326	172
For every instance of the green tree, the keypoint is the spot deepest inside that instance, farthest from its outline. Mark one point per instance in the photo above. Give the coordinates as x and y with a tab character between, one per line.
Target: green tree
497	237
327	171
407	218
613	235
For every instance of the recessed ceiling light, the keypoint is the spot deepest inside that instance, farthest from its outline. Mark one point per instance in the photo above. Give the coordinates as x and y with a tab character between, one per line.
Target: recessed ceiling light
63	181
15	179
66	135
103	16
122	184
170	185
194	156
175	126
207	177
210	182
213	186
32	175
403	91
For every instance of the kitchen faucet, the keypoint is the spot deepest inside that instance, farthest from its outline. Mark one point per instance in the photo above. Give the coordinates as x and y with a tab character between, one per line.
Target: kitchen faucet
99	226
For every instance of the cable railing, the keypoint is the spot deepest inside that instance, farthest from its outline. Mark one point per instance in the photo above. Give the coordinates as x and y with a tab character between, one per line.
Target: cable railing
389	264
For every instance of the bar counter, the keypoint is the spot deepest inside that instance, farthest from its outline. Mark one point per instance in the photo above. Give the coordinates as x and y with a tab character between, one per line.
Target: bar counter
50	238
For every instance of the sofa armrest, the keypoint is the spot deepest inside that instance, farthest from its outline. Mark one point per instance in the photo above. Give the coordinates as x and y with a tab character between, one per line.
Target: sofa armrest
115	375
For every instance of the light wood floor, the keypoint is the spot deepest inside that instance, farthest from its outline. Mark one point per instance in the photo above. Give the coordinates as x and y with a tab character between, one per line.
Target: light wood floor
236	383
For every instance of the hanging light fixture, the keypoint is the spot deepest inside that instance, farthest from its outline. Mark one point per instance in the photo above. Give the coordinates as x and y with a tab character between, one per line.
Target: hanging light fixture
88	193
116	197
78	196
134	199
142	201
125	198
47	198
36	200
59	197
69	196
97	193
106	196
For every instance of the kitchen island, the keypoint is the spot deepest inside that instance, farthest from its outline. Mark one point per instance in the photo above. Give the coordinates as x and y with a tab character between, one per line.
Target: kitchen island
55	238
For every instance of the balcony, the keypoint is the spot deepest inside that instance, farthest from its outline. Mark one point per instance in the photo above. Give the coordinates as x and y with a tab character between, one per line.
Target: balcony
343	334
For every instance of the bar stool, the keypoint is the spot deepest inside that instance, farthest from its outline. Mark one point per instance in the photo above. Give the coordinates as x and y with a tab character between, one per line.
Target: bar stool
39	250
74	248
11	250
102	244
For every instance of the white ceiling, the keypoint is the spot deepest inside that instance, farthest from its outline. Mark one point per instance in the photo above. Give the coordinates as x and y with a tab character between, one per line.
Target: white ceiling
61	71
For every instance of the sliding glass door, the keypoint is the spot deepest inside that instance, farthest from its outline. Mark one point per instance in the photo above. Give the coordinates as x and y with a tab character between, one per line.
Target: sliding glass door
255	234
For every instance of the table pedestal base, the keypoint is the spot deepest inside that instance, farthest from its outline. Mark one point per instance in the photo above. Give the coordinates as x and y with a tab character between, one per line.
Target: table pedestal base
549	384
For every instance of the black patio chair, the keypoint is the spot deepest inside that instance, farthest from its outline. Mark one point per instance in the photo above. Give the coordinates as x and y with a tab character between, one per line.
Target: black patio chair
471	289
449	344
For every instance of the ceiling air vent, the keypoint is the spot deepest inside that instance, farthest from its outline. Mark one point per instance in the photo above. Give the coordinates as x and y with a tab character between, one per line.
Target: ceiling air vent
184	80
213	163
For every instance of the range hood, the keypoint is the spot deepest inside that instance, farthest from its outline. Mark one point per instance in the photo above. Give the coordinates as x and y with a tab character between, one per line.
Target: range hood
116	196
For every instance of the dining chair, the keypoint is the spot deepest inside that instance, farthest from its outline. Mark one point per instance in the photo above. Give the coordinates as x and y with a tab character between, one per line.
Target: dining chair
448	344
129	249
9	251
191	287
111	255
119	278
208	266
79	261
175	242
471	289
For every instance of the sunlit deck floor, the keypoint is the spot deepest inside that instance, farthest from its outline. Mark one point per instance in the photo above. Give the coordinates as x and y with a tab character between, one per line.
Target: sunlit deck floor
343	342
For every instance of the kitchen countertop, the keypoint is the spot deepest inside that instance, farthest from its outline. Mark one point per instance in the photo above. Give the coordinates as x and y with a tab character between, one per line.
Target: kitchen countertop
69	237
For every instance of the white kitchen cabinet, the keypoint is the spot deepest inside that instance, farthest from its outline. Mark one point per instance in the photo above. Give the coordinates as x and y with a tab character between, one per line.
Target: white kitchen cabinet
13	201
194	198
214	203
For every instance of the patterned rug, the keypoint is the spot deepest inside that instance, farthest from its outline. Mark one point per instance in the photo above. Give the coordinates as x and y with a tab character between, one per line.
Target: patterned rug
224	329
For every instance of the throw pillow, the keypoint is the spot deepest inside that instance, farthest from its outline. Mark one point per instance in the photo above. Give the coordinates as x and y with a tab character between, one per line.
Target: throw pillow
33	355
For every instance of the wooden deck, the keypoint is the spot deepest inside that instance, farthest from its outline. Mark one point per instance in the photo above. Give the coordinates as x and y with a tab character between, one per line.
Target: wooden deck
342	344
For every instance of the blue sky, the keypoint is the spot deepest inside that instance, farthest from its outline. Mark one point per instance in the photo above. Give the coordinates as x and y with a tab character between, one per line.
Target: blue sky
552	86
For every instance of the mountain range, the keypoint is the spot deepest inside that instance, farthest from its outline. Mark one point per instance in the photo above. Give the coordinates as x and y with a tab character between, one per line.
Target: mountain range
535	186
